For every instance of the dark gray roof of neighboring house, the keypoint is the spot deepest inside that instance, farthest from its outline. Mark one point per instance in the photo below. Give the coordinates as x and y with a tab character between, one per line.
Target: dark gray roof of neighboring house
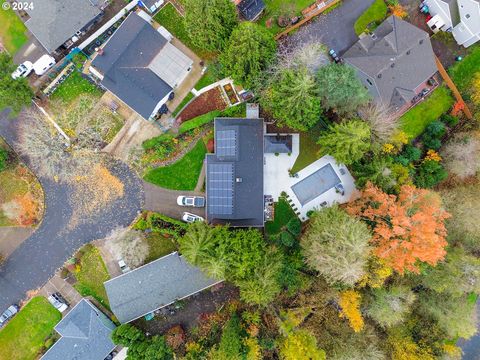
153	286
85	335
281	144
396	60
53	22
235	173
125	61
149	3
251	9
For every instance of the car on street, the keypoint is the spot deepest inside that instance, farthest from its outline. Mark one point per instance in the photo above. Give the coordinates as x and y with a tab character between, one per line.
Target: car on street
191	218
23	70
8	314
333	54
193	201
58	302
42	65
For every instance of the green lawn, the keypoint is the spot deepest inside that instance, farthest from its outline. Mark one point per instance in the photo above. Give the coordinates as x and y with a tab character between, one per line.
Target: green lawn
24	336
159	246
376	13
184	102
13	31
92	274
417	119
171	20
283	214
182	175
74	86
275	8
462	72
308	149
205	80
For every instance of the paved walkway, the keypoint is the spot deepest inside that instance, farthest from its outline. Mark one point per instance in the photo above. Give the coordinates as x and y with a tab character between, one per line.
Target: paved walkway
12	237
164	201
37	259
334	29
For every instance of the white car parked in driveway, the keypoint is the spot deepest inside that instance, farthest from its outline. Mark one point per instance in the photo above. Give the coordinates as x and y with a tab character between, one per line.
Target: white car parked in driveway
191	218
23	70
58	302
193	201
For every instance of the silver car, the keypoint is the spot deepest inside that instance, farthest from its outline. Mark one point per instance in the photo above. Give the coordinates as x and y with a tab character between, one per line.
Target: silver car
193	201
191	218
8	314
58	302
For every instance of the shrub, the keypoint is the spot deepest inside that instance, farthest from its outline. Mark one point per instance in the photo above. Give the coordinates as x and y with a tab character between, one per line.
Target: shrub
449	120
197	122
287	239
433	134
294	226
410	154
350	309
429	174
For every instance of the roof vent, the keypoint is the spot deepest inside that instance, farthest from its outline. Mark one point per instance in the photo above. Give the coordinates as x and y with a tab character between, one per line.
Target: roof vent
408	52
421	42
379	76
393	65
239	180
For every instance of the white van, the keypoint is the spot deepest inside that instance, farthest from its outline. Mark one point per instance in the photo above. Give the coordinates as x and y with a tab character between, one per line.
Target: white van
42	65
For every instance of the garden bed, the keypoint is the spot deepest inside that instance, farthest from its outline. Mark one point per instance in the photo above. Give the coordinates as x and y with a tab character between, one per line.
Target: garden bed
74	86
189	312
24	337
202	104
182	175
21	195
282	215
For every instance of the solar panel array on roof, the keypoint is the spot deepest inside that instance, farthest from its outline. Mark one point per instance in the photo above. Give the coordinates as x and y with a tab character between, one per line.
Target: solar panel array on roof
226	143
220	189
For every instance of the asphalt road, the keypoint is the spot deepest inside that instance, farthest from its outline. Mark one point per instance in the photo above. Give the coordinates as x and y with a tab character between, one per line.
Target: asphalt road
334	29
38	257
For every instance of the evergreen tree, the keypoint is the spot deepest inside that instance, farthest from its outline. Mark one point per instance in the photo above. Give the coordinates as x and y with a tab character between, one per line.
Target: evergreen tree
347	142
292	99
14	94
210	22
340	89
250	50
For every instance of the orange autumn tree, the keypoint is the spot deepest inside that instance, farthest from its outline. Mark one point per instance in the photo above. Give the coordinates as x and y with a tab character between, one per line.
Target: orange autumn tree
407	228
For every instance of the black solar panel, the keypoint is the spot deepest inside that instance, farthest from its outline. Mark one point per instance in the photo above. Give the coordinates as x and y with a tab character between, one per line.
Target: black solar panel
220	189
226	143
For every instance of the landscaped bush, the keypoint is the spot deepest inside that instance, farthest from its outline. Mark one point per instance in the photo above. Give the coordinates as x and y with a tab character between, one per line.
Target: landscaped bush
433	134
198	121
160	223
429	174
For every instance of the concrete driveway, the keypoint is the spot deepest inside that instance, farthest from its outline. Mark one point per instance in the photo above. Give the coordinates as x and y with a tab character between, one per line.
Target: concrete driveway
334	29
31	51
164	201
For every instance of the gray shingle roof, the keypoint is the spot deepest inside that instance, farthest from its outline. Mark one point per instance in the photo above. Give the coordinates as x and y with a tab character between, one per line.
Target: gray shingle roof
251	9
53	22
281	144
394	62
153	286
246	180
85	335
125	65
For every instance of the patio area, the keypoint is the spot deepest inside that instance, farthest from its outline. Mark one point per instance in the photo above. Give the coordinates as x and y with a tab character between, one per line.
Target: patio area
314	187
